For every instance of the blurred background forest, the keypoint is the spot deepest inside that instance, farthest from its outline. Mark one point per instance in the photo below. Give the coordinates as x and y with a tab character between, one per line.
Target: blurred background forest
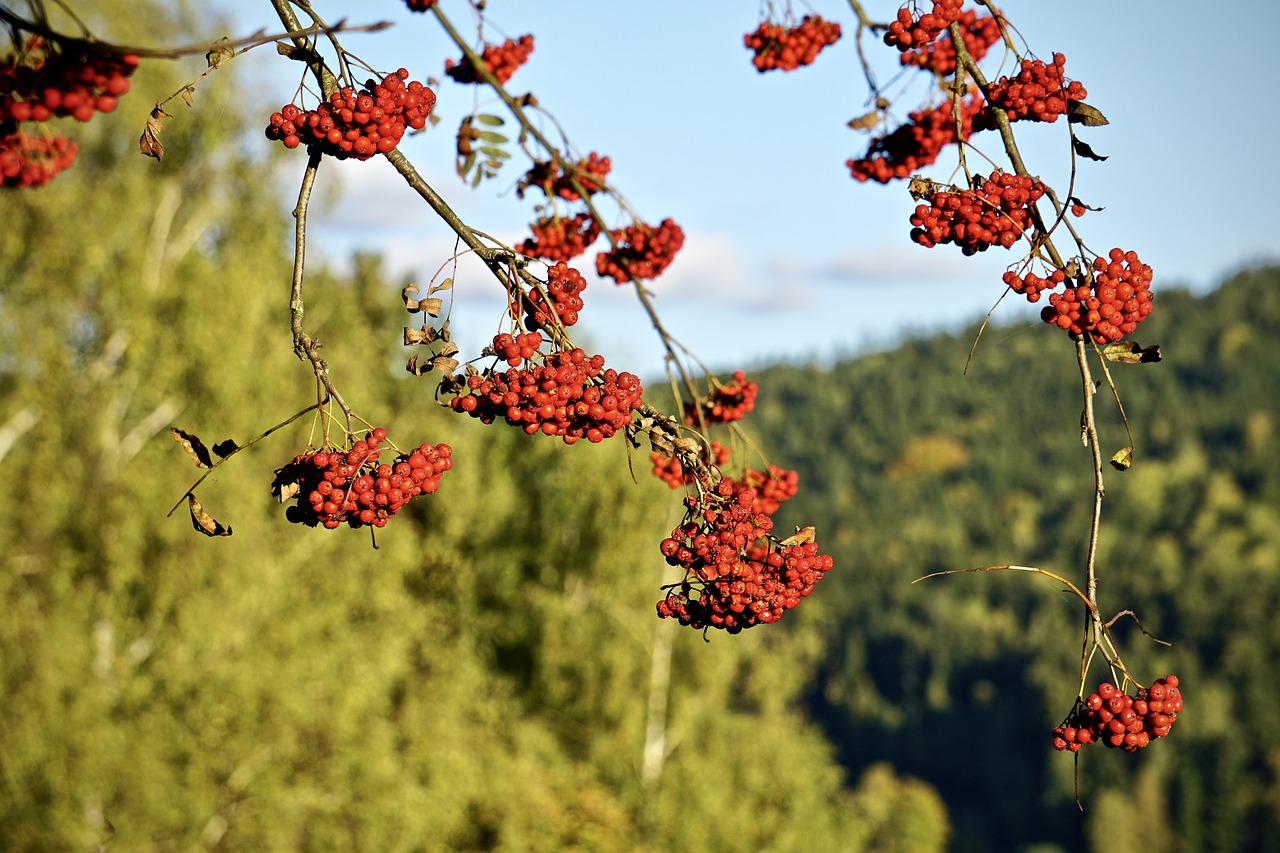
494	676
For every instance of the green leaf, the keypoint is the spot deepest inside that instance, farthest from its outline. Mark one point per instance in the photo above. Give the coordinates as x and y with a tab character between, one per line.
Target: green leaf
492	121
490	136
493	152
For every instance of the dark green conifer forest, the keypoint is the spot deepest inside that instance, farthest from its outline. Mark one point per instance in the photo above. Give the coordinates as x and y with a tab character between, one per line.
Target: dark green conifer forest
493	676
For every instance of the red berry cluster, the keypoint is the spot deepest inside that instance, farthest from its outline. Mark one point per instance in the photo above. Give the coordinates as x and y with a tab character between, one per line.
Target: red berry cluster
908	31
734	577
33	161
1031	285
1038	92
998	212
334	487
1120	720
915	144
515	349
1118	301
419	5
725	404
590	174
939	55
773	487
560	238
787	48
642	251
357	124
564	286
570	395
63	83
670	470
502	60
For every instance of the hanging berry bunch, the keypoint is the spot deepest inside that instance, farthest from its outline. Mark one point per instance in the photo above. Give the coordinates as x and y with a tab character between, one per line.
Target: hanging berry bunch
569	394
51	79
915	144
997	212
561	238
564	286
1118	299
333	487
1038	92
502	60
590	173
1119	720
33	161
979	32
726	403
787	48
642	251
735	575
909	31
357	124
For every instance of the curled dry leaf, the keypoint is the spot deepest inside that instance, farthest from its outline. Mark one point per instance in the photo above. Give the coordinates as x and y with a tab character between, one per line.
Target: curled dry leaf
447	284
444	364
194	446
802	536
225	448
1131	352
1083	149
1123	459
418	337
204	522
221	52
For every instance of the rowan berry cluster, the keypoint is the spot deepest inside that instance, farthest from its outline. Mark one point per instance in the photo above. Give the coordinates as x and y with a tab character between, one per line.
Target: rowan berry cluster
773	487
1031	285
547	176
726	403
916	144
502	60
33	161
561	238
564	286
335	487
669	469
1118	300
787	48
1038	92
734	577
62	82
642	251
515	349
997	212
419	5
357	124
908	31
1120	720
939	55
570	395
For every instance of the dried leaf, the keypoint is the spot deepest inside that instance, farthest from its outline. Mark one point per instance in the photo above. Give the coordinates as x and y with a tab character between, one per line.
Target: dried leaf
1078	112
194	446
444	364
149	142
1123	459
802	536
1083	149
447	284
187	94
221	52
408	294
286	492
866	121
1131	352
225	448
430	305
418	337
204	522
294	52
449	349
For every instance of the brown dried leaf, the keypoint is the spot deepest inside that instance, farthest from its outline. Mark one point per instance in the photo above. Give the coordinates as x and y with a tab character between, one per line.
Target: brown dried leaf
204	522
187	93
149	142
449	349
194	446
866	121
286	492
221	52
1131	352
431	305
414	368
409	295
444	364
292	51
802	536
1123	459
1078	112
225	448
447	284
417	337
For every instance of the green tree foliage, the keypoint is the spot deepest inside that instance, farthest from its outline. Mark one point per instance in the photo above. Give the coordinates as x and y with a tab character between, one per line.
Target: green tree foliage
910	468
492	677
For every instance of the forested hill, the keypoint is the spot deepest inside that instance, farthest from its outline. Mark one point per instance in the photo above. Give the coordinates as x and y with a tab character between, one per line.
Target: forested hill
909	466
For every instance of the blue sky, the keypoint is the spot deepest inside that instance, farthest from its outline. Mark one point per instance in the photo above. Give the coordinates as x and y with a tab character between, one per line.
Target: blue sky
786	257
